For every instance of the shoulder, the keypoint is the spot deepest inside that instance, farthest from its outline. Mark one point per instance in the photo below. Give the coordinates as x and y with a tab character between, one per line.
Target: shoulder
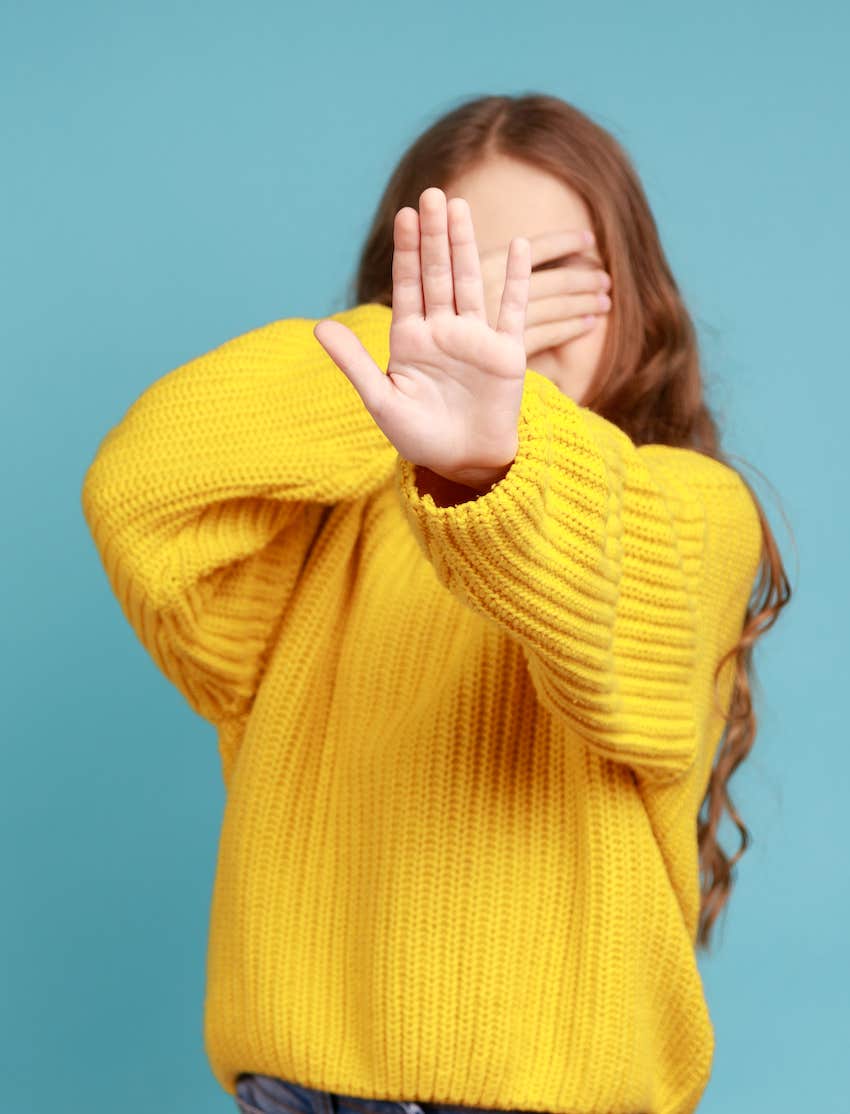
369	321
709	499
293	337
716	485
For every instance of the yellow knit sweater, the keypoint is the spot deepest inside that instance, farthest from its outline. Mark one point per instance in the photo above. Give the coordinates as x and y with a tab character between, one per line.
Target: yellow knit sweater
464	747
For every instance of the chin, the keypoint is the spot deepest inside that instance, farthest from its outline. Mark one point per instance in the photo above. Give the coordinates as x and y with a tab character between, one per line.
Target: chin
549	364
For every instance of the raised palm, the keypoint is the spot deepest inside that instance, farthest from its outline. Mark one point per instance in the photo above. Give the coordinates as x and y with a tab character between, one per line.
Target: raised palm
451	396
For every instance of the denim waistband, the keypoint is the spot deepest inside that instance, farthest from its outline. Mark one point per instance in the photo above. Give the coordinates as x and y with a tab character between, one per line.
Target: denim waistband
268	1094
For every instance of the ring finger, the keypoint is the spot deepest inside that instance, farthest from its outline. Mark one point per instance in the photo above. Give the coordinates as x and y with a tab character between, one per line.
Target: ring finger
466	264
564	306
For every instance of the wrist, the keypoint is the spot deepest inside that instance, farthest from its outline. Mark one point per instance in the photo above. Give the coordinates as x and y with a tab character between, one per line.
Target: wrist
481	480
450	491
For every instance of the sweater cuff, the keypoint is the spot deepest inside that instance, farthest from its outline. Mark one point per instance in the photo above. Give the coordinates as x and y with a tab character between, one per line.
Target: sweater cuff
491	518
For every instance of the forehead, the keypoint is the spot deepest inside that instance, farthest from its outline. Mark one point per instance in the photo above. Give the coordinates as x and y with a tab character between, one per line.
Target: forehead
509	198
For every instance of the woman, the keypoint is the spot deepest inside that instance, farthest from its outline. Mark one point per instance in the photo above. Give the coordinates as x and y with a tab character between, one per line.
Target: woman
463	581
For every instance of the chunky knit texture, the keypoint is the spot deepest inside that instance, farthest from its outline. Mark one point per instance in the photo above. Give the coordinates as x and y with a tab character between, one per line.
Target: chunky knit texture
464	747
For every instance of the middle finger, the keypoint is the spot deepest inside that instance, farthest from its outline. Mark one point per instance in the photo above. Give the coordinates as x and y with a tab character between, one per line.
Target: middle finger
437	281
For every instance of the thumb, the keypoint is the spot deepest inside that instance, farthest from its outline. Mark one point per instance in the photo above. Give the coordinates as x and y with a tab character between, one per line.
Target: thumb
347	351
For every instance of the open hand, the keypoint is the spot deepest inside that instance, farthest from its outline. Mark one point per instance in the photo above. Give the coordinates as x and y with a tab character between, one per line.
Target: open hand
568	289
451	396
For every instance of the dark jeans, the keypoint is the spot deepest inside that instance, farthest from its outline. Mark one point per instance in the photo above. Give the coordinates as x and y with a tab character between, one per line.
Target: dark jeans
266	1094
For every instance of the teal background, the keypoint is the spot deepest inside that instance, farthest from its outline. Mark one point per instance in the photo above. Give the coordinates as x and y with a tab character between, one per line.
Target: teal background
176	174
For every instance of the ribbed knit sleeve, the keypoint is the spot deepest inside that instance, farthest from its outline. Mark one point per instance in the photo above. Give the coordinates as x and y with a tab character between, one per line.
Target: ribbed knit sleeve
615	567
205	499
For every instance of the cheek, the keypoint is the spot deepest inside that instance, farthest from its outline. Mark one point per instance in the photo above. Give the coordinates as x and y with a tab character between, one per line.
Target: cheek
586	347
596	337
597	333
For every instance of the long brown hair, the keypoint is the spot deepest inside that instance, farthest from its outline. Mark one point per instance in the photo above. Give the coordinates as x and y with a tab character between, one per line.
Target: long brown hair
648	380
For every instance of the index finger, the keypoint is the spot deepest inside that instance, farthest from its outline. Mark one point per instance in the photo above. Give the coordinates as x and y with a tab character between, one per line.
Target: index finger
553	245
